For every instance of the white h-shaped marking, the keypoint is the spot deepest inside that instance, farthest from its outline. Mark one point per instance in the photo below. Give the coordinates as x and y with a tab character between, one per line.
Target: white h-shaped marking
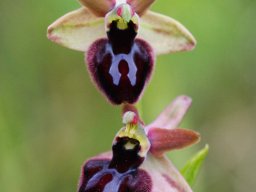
116	59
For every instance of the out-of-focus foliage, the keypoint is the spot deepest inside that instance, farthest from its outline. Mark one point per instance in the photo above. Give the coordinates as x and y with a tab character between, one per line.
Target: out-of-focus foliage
52	118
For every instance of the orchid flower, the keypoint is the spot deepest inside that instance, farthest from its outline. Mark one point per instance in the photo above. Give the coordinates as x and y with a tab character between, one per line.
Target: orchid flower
120	40
137	162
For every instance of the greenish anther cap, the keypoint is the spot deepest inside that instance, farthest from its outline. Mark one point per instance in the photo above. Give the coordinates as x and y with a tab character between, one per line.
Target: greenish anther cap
125	12
133	129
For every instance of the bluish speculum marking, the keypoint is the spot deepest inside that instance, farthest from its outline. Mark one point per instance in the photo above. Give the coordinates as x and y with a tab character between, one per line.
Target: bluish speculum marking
121	64
118	59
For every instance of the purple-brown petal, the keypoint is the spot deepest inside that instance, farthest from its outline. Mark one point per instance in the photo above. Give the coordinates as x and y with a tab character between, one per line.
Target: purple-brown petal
119	71
163	140
99	7
140	6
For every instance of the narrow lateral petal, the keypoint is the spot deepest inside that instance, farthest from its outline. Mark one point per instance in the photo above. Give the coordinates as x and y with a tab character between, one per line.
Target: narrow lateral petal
163	140
165	34
140	6
77	30
98	7
173	114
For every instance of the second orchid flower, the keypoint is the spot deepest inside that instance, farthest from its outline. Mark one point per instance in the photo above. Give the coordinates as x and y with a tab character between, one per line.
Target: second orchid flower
137	162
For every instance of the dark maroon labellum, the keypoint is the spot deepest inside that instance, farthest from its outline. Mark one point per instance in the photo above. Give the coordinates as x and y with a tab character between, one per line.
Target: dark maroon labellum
121	64
121	174
125	159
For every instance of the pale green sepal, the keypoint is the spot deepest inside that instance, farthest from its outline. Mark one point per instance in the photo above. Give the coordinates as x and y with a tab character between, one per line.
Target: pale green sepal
77	30
164	34
192	167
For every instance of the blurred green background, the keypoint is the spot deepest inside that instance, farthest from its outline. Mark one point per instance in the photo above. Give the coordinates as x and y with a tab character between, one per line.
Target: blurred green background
52	118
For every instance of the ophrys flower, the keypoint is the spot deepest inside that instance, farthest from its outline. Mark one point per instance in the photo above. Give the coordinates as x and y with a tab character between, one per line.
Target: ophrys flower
137	162
121	39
